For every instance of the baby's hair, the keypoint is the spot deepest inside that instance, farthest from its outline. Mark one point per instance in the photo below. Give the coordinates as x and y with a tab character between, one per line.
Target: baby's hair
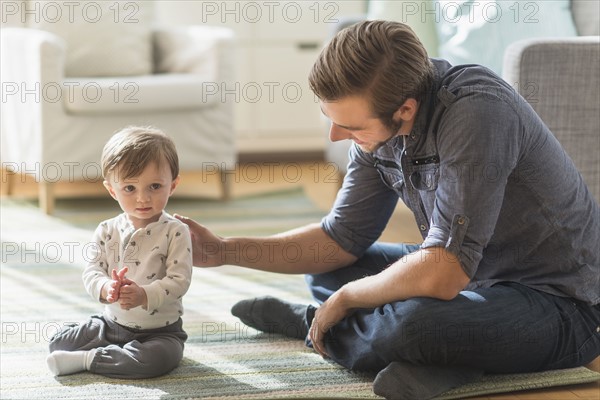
131	149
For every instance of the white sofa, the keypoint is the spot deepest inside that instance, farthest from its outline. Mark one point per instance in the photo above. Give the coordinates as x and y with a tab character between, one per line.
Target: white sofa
69	85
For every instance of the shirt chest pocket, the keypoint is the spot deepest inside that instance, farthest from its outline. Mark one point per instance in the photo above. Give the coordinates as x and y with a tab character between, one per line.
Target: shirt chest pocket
425	179
391	175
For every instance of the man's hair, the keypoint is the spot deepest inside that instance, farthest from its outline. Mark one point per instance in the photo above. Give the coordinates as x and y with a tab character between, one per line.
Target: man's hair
382	60
133	148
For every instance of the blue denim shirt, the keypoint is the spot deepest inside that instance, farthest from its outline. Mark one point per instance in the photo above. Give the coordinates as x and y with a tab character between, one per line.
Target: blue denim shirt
485	179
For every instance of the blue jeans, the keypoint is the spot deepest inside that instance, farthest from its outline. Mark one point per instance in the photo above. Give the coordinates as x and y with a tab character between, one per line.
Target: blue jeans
507	328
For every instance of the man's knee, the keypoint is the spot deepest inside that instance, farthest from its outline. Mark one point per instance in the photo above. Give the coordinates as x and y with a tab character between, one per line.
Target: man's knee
370	339
419	329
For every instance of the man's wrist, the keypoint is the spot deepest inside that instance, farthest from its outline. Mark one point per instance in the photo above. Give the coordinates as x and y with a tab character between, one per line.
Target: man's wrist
345	298
228	248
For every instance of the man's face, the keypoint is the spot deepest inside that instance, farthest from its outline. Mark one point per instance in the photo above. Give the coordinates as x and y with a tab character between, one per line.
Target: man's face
351	119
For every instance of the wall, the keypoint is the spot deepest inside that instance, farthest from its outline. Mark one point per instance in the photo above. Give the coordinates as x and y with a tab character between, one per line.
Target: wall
277	43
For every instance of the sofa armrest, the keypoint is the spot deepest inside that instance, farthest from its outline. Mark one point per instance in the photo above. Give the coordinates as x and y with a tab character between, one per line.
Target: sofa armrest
32	56
559	78
32	64
197	50
522	58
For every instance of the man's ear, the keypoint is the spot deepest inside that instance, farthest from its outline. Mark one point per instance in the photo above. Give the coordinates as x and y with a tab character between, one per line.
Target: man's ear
110	189
407	111
174	185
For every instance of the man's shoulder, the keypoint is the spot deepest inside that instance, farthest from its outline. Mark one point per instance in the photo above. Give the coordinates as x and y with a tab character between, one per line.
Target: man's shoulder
446	72
460	81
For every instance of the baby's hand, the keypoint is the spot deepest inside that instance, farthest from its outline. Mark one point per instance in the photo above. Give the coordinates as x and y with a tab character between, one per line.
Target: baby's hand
132	295
114	286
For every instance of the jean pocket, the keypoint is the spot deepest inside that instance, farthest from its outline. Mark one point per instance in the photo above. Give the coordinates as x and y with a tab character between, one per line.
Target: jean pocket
586	353
584	341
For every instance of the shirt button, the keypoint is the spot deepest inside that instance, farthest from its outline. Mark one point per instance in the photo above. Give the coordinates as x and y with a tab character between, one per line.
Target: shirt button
461	220
598	329
423	227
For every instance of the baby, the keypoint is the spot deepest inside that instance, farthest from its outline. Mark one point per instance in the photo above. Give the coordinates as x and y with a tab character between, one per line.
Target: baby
141	269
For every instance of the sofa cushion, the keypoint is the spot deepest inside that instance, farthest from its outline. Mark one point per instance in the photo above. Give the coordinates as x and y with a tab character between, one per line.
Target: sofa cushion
479	32
414	14
104	38
192	49
138	94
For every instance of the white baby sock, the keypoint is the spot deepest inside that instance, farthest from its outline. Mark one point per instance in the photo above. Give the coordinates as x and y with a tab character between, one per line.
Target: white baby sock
69	362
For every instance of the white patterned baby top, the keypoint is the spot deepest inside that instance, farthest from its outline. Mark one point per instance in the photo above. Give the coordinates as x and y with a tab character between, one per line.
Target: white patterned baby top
158	258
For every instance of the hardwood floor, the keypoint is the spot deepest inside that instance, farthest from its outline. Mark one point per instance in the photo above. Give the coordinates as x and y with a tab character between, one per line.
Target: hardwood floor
320	182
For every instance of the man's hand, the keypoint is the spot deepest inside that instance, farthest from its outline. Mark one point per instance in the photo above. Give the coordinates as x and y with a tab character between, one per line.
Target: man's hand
206	246
113	287
327	315
132	295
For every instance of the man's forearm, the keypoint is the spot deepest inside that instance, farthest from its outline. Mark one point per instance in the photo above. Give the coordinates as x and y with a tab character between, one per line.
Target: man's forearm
304	250
431	272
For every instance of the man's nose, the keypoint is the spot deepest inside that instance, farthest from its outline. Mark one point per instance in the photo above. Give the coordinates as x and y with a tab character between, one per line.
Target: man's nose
336	133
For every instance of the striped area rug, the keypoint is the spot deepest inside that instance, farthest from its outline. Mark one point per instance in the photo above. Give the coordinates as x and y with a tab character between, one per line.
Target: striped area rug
41	290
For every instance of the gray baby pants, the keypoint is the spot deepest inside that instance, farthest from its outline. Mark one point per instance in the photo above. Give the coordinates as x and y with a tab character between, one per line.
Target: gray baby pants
123	352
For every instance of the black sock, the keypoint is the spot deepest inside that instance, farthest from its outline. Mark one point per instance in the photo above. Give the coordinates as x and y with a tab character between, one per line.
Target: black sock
405	381
271	315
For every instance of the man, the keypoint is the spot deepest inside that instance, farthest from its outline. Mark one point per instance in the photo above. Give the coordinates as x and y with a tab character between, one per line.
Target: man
509	267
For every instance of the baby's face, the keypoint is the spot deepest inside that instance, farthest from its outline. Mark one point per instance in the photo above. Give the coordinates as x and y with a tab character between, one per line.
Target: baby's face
145	196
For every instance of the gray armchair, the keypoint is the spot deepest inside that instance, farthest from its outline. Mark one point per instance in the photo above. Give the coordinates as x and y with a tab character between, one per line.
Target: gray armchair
561	80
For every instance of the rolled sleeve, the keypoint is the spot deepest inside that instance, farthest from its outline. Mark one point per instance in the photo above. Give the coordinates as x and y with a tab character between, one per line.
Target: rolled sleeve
454	243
